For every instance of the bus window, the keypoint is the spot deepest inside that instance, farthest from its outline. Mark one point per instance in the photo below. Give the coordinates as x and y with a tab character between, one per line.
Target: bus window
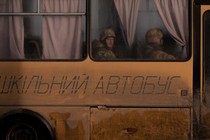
140	30
42	29
29	6
206	62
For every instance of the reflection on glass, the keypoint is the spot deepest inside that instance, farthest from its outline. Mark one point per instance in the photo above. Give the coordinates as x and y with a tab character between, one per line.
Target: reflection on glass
141	30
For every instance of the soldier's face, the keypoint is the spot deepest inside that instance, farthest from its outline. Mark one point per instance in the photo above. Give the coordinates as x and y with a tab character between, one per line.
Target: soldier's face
110	42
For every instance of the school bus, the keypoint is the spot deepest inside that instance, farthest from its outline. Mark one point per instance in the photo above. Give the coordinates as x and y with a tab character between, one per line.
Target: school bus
104	69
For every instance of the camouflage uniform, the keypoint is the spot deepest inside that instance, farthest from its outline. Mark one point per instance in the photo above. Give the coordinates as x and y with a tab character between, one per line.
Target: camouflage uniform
154	38
101	51
152	53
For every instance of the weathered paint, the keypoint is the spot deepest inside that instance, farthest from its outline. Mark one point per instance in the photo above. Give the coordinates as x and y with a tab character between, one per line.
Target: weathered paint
140	124
94	83
64	92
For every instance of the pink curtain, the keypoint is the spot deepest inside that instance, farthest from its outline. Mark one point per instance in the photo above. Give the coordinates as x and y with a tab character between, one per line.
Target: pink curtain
62	35
174	14
128	12
12	31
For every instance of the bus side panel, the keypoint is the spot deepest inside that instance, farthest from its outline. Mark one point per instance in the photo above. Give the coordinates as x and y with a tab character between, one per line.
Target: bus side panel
140	123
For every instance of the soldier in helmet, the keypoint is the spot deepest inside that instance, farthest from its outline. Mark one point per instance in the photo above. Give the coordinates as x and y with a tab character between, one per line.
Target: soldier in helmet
154	39
102	50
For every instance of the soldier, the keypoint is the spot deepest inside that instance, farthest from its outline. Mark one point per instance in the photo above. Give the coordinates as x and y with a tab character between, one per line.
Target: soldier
154	39
102	50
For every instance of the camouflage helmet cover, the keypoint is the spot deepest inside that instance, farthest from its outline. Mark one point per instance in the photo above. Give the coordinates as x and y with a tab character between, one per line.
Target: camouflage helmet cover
154	35
107	33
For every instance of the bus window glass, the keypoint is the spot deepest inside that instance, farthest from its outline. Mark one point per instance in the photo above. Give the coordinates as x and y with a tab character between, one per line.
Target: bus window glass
140	30
29	6
18	6
54	35
62	37
32	37
10	6
206	51
65	6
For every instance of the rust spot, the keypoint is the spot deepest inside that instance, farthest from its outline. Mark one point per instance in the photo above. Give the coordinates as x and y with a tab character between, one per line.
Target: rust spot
129	130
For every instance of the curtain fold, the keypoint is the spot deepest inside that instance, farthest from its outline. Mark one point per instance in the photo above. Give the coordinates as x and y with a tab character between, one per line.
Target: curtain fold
62	35
128	13
174	14
12	31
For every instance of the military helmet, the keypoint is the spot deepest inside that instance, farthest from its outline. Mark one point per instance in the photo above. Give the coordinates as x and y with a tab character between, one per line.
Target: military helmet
154	35
107	33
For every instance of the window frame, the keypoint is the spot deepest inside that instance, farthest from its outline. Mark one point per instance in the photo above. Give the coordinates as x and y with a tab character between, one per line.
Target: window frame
38	12
189	56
